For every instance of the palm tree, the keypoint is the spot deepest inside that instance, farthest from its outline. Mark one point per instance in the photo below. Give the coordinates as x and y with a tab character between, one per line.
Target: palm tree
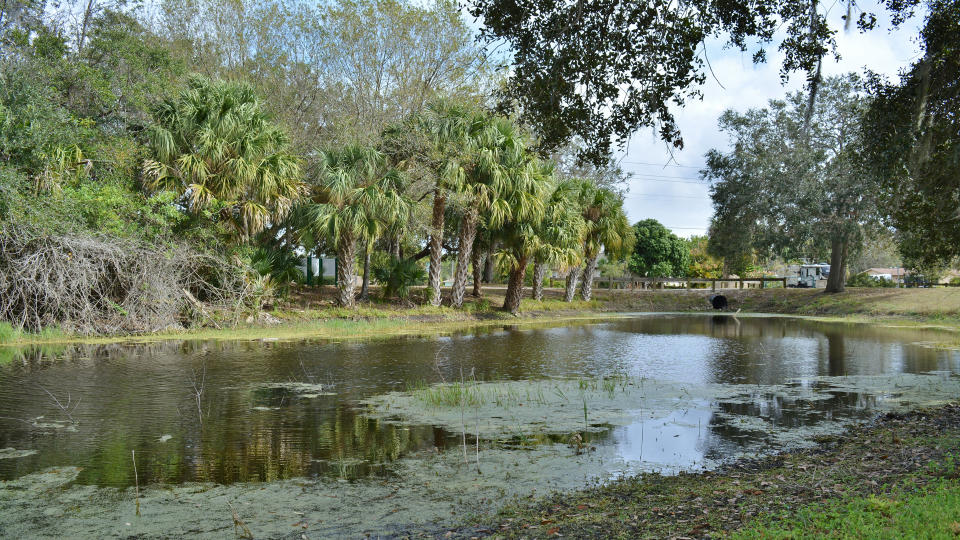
525	196
559	235
442	132
496	144
214	146
607	229
351	193
482	243
393	213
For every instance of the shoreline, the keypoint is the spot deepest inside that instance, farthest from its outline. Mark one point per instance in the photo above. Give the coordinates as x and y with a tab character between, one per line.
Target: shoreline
378	321
853	479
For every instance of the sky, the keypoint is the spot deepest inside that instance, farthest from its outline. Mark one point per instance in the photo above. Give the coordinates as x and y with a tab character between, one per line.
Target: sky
668	189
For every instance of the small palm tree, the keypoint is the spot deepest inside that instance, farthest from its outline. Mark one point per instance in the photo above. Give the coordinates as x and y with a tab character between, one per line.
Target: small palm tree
528	184
559	235
607	229
215	147
351	194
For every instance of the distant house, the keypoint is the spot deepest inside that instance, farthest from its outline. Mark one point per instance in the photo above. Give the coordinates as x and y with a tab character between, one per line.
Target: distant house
896	275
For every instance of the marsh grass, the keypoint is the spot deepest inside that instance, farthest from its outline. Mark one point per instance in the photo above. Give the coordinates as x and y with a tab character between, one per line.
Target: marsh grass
8	334
505	394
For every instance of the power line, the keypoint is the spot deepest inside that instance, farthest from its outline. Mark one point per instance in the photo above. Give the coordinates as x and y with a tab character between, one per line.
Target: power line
704	184
667	196
661	164
651	175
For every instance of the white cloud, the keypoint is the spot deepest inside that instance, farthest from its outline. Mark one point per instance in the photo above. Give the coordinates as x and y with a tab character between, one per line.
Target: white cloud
682	202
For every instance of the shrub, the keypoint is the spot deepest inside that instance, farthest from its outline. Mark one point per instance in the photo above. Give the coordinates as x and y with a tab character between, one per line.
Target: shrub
282	266
397	276
866	280
96	284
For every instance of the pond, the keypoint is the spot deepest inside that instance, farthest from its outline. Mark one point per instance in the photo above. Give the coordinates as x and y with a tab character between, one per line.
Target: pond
297	436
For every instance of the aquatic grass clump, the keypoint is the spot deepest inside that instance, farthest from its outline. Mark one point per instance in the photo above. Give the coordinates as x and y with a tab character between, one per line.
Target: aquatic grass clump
449	395
509	394
476	394
8	334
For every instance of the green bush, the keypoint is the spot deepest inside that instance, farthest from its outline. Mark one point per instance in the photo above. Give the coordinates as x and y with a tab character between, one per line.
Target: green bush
397	276
866	280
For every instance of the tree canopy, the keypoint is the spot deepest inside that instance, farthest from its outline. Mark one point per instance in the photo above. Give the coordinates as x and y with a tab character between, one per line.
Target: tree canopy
913	135
784	187
657	251
601	70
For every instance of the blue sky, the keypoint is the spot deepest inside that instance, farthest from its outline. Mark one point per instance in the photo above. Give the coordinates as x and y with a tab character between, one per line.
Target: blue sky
668	189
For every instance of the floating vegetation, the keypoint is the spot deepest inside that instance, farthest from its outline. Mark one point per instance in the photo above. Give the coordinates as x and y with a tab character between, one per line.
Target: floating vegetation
12	453
563	406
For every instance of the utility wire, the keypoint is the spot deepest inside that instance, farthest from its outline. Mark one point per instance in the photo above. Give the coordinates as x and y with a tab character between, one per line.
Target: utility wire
661	164
666	196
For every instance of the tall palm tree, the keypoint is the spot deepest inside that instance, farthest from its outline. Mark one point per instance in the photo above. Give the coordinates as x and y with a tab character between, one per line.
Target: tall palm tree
214	145
439	133
351	193
559	235
526	198
495	145
607	229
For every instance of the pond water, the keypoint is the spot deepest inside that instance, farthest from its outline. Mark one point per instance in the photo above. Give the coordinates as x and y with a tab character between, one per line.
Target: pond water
648	392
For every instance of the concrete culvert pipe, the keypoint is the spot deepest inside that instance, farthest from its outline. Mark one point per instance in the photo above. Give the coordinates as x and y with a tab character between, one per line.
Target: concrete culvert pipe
718	301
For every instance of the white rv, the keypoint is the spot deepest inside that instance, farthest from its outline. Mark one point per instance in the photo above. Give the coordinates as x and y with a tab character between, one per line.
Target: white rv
809	276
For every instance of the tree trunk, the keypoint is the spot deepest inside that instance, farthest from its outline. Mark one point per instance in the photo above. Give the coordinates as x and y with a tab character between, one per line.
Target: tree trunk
394	247
539	270
571	289
511	301
488	264
477	257
468	231
586	290
346	255
365	288
838	265
436	247
87	15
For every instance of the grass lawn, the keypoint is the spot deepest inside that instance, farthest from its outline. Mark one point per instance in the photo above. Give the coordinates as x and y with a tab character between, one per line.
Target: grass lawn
931	512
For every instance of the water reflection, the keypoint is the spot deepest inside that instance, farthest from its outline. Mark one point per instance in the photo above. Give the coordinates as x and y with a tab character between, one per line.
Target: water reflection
142	397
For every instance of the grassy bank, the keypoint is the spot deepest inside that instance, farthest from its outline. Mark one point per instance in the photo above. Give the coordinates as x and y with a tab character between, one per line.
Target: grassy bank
311	313
894	478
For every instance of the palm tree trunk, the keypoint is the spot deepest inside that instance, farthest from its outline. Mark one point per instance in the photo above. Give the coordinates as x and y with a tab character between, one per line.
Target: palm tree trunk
477	257
511	301
571	289
838	265
586	290
436	247
468	231
488	264
539	270
346	255
365	288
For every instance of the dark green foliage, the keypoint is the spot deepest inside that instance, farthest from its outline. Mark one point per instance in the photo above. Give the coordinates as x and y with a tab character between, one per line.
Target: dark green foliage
282	265
601	70
866	280
913	131
658	252
397	276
